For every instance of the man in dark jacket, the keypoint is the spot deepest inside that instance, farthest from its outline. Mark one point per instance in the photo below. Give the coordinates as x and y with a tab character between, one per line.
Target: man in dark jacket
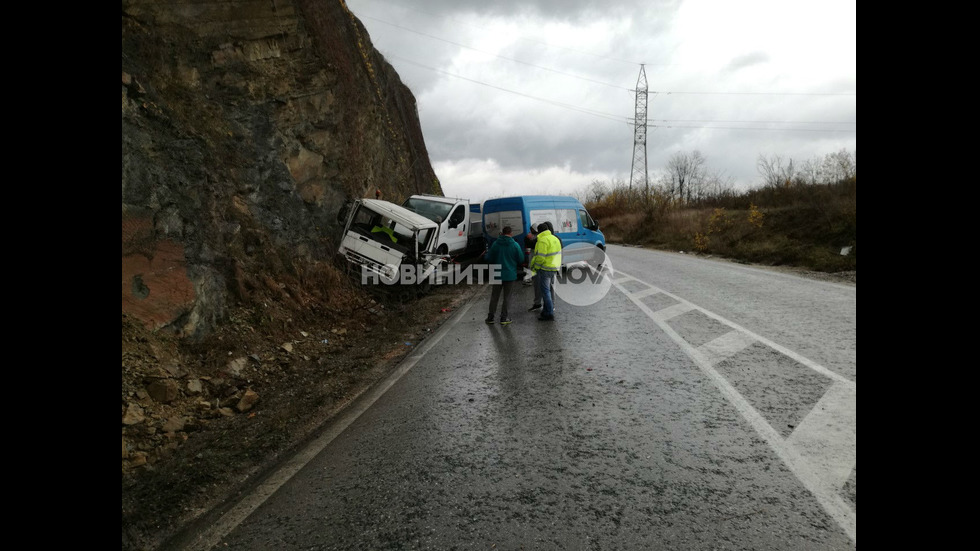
508	254
529	241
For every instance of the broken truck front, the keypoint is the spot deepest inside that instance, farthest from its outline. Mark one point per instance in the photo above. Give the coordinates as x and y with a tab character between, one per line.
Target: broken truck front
389	241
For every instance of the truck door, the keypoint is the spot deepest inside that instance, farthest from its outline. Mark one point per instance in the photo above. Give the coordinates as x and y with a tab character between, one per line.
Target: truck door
456	229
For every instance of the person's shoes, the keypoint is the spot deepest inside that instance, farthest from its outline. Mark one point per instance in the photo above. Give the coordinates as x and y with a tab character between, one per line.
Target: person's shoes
489	319
505	321
534	307
546	318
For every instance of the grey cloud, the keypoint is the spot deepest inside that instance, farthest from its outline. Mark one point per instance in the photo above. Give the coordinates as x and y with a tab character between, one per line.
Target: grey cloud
522	109
560	10
747	60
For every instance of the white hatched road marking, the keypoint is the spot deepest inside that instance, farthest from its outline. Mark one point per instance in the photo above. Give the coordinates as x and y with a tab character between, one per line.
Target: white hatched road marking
822	450
726	346
829	433
645	293
672	311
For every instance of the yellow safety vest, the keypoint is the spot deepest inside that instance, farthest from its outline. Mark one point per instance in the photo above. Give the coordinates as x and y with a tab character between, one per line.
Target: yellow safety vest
547	253
391	234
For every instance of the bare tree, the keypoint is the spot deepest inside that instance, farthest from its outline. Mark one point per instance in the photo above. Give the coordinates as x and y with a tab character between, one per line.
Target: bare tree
666	184
718	185
774	174
811	173
839	166
686	172
788	175
770	168
697	186
596	191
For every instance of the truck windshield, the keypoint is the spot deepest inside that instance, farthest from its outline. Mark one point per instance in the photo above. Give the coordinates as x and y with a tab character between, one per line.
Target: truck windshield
380	228
433	210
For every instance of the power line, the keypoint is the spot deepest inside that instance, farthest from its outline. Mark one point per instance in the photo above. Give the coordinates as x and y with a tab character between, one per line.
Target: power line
752	122
436	16
556	71
759	93
619	118
609	116
497	56
555	103
755	128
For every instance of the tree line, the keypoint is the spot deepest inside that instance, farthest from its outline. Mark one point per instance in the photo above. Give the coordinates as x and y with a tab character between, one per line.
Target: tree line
687	180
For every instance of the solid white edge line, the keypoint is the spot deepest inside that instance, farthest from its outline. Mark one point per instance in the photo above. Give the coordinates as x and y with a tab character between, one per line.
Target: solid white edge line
210	537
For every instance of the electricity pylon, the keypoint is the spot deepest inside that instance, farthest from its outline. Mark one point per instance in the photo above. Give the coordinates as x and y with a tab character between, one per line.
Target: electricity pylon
639	173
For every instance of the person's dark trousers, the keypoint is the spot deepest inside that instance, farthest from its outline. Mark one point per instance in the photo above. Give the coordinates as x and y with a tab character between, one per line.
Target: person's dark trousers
546	279
504	289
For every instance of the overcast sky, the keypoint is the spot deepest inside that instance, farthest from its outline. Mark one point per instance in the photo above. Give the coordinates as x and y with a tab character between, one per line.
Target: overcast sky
538	96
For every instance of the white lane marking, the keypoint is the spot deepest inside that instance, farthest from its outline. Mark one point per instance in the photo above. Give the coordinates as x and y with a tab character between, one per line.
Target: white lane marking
616	276
824	490
838	378
210	537
726	346
785	351
672	311
644	293
737	267
827	437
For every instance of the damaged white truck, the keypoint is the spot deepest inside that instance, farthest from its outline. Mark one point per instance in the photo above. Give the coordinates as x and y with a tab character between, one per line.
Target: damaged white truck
385	243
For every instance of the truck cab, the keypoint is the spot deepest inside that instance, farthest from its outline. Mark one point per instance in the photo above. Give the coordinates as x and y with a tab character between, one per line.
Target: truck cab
459	231
381	237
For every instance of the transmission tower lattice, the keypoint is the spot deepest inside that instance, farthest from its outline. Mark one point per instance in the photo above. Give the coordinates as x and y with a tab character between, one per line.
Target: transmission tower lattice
638	175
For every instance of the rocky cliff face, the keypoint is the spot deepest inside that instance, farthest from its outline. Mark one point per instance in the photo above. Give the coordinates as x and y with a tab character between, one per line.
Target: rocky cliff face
245	125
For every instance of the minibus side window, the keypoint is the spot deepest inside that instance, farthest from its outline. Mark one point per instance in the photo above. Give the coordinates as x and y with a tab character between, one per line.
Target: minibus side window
587	221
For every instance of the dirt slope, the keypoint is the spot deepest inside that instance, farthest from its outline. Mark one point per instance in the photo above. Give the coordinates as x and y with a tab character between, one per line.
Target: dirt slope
189	454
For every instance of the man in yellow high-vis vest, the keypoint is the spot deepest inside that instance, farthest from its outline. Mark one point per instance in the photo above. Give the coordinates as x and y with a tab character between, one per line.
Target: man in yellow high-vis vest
545	264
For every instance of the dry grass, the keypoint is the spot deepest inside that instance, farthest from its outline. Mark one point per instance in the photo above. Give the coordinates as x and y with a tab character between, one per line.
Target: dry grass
802	226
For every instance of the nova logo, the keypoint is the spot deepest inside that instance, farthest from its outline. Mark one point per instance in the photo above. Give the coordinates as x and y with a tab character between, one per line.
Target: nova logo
581	274
587	277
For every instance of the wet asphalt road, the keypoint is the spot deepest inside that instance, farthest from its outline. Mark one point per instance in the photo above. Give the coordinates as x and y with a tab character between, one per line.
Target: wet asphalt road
698	405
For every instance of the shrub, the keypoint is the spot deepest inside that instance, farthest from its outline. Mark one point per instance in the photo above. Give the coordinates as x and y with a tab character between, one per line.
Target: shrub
798	224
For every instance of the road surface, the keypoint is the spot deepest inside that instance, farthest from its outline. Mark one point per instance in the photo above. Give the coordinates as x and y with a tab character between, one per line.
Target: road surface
697	405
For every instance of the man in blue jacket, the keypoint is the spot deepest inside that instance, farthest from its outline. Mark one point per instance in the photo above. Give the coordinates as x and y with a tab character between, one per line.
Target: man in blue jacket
508	254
